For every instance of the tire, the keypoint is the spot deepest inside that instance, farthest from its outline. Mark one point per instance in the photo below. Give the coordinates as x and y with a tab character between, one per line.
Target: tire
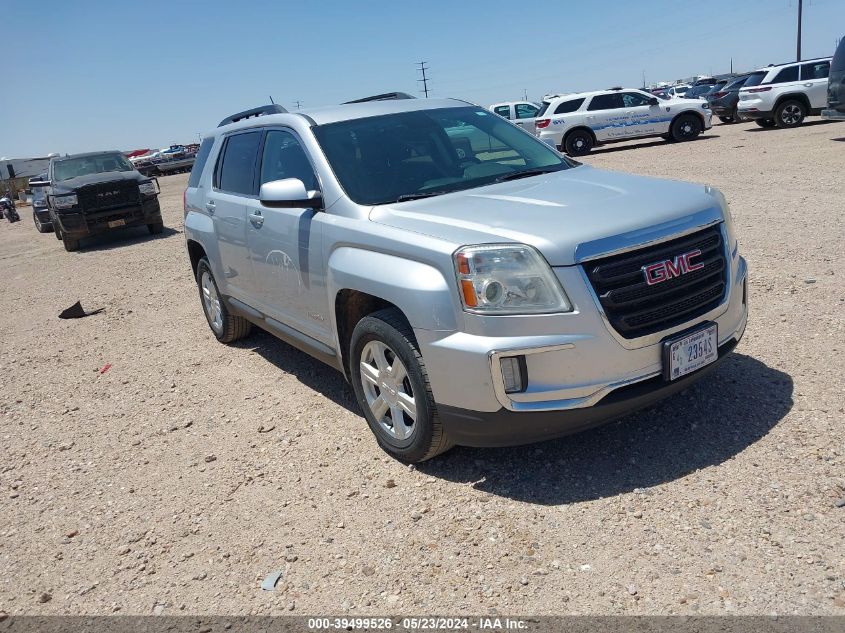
156	227
70	244
227	327
790	113
41	228
578	143
685	127
765	123
57	231
386	335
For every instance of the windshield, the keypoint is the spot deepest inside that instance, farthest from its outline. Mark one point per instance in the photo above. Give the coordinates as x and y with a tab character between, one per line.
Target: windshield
86	165
736	85
402	156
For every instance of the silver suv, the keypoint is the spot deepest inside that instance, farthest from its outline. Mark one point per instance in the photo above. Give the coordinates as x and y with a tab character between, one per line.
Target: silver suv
475	286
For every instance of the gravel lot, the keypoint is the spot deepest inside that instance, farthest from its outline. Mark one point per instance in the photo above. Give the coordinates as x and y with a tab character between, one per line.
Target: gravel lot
178	479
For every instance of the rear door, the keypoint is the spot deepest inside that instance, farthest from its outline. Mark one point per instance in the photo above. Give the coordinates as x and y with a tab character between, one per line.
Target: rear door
235	185
606	116
814	77
286	244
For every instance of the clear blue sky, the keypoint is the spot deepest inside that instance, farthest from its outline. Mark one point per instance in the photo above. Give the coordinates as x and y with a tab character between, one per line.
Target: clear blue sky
122	74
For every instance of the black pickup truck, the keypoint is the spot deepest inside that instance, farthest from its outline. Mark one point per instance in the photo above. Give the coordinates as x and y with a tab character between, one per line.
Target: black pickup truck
96	192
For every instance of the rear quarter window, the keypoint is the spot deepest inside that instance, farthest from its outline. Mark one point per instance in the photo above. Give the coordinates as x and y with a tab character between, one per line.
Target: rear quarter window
569	106
200	161
790	73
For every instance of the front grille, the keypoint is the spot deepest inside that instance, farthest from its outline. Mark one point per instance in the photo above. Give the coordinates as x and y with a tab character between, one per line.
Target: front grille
635	308
108	195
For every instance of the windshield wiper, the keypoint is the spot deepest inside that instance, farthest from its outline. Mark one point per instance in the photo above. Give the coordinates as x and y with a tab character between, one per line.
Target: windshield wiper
515	175
417	196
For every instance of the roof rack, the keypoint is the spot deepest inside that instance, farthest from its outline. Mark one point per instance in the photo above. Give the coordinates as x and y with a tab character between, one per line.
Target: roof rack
247	114
387	96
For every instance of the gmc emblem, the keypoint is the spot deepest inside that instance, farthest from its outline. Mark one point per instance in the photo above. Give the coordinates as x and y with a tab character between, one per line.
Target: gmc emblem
664	271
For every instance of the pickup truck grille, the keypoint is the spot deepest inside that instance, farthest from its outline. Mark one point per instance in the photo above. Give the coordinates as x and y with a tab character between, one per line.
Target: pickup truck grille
108	195
635	308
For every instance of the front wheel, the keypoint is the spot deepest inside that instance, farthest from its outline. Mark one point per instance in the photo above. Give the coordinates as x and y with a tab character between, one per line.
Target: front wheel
39	226
227	327
578	143
765	123
156	227
686	128
790	114
391	384
70	243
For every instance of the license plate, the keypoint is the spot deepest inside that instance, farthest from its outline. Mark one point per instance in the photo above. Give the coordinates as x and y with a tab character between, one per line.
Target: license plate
115	223
682	356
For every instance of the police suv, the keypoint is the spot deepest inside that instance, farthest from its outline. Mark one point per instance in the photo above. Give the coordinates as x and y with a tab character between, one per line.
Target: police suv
575	123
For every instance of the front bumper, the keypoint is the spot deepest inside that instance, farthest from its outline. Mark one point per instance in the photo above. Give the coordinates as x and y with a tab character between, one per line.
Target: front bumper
580	372
78	224
833	115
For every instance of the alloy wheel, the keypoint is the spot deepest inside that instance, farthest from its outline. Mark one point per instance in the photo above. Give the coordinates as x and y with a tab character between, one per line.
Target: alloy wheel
211	302
388	390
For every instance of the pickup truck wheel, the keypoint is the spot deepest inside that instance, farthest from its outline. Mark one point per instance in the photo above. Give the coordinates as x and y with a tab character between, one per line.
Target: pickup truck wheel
790	114
391	385
70	243
156	227
41	228
227	327
57	231
578	143
686	128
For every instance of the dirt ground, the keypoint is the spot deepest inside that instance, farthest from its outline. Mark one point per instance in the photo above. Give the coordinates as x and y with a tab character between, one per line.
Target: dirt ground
178	479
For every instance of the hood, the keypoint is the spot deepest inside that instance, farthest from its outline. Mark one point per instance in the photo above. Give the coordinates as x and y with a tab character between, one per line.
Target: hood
94	179
553	212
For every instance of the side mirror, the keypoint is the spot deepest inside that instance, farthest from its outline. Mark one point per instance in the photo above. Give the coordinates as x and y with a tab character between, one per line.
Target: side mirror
654	101
289	193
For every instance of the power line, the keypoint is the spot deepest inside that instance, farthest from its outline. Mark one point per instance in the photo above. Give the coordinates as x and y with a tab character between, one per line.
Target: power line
424	79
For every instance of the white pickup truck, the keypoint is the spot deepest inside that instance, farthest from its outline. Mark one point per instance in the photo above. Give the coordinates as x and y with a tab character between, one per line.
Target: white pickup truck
522	113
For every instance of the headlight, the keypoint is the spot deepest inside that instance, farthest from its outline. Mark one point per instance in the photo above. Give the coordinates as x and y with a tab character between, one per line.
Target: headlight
148	188
507	279
729	218
65	202
705	105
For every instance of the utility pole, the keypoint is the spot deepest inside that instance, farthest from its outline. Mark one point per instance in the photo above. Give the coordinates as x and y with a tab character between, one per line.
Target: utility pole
298	104
800	10
643	80
525	94
424	79
732	65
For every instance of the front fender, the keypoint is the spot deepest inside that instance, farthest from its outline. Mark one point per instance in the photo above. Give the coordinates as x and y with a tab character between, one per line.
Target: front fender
419	290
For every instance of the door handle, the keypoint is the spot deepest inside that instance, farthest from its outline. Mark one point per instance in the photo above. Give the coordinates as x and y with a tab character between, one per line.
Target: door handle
808	85
256	218
210	206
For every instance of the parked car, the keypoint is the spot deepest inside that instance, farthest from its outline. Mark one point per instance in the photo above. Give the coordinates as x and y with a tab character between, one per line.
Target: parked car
678	91
700	91
782	95
523	113
40	212
576	123
96	192
723	102
836	86
470	296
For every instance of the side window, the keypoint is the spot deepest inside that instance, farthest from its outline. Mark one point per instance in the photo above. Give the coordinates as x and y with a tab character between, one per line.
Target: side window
236	172
790	73
284	158
200	160
503	111
525	111
634	99
569	106
816	70
610	101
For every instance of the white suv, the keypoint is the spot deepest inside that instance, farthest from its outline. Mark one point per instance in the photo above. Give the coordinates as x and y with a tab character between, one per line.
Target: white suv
782	95
575	123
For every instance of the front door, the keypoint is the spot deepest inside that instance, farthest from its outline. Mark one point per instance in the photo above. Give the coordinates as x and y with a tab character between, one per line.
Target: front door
525	114
286	244
643	119
814	77
234	185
